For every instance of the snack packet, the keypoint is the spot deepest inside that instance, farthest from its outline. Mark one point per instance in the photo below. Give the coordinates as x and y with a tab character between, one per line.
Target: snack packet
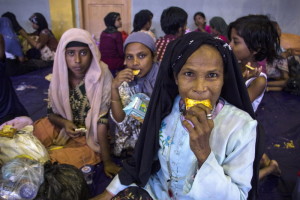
137	107
190	103
7	131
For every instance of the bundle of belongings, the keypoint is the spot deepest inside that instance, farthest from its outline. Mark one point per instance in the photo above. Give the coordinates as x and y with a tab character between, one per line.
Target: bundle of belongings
27	173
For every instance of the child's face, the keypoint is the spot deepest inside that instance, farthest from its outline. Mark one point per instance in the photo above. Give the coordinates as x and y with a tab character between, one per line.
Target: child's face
78	60
199	20
118	22
202	76
138	56
239	47
35	26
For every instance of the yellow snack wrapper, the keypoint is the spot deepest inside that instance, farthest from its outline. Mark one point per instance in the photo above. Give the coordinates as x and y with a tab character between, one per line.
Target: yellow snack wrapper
136	72
249	67
7	131
190	103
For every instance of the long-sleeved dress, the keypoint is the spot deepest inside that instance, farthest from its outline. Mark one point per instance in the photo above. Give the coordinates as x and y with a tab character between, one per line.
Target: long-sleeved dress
226	173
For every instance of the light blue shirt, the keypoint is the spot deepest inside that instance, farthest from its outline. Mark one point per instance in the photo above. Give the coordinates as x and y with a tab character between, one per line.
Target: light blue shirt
226	173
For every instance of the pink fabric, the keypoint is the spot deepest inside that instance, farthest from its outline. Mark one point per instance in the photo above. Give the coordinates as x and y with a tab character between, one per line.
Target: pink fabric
97	84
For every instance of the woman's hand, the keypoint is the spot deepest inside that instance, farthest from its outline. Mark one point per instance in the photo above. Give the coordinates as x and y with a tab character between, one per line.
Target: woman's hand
104	196
124	75
110	168
200	133
70	128
250	73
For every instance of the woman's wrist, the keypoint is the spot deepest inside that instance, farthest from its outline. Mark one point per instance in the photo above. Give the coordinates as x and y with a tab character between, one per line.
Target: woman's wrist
115	100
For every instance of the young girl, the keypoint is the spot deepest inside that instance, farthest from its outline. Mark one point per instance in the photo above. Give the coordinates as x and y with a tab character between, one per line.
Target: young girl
194	153
200	22
139	51
111	43
79	98
142	22
253	38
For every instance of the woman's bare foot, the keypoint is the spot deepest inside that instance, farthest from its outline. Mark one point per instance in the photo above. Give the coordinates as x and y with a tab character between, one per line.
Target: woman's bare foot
272	168
264	161
275	168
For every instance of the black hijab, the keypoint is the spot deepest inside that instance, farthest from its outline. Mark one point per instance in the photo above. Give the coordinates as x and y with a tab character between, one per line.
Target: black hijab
110	20
145	162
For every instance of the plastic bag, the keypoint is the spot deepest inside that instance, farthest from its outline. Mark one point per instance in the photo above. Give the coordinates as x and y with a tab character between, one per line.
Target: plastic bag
23	144
63	182
21	179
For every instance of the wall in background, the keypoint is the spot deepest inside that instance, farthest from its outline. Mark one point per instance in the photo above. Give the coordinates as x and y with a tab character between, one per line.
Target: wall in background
287	13
62	16
23	9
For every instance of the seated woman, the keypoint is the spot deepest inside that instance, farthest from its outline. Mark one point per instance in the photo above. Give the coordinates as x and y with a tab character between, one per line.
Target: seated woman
44	43
140	54
79	97
199	152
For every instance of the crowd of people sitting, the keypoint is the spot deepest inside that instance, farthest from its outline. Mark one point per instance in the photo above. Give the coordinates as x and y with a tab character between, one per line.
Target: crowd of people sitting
131	112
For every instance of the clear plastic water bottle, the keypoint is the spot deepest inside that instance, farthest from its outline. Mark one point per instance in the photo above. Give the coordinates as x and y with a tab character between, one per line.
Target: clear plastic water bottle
296	192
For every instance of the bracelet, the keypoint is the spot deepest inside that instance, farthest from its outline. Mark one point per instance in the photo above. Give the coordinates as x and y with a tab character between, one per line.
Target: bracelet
115	100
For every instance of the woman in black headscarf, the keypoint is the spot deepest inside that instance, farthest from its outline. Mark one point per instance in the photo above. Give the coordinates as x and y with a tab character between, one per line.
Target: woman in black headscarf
111	43
199	153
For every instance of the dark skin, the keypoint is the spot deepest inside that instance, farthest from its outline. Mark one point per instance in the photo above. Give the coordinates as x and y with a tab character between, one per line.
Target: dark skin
78	61
201	77
137	57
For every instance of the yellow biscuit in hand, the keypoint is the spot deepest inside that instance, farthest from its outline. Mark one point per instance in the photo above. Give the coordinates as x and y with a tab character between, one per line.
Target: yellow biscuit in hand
250	67
136	71
190	103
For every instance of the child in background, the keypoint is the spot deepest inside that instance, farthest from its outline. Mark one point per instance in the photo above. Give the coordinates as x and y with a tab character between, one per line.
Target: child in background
218	27
111	43
278	70
173	22
139	51
142	22
200	22
253	38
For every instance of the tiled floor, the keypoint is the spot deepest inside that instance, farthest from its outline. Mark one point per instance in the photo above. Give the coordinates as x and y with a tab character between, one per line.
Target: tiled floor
279	113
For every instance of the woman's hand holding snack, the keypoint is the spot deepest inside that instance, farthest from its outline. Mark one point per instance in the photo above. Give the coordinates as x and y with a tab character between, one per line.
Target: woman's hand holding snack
251	72
124	75
200	133
70	129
